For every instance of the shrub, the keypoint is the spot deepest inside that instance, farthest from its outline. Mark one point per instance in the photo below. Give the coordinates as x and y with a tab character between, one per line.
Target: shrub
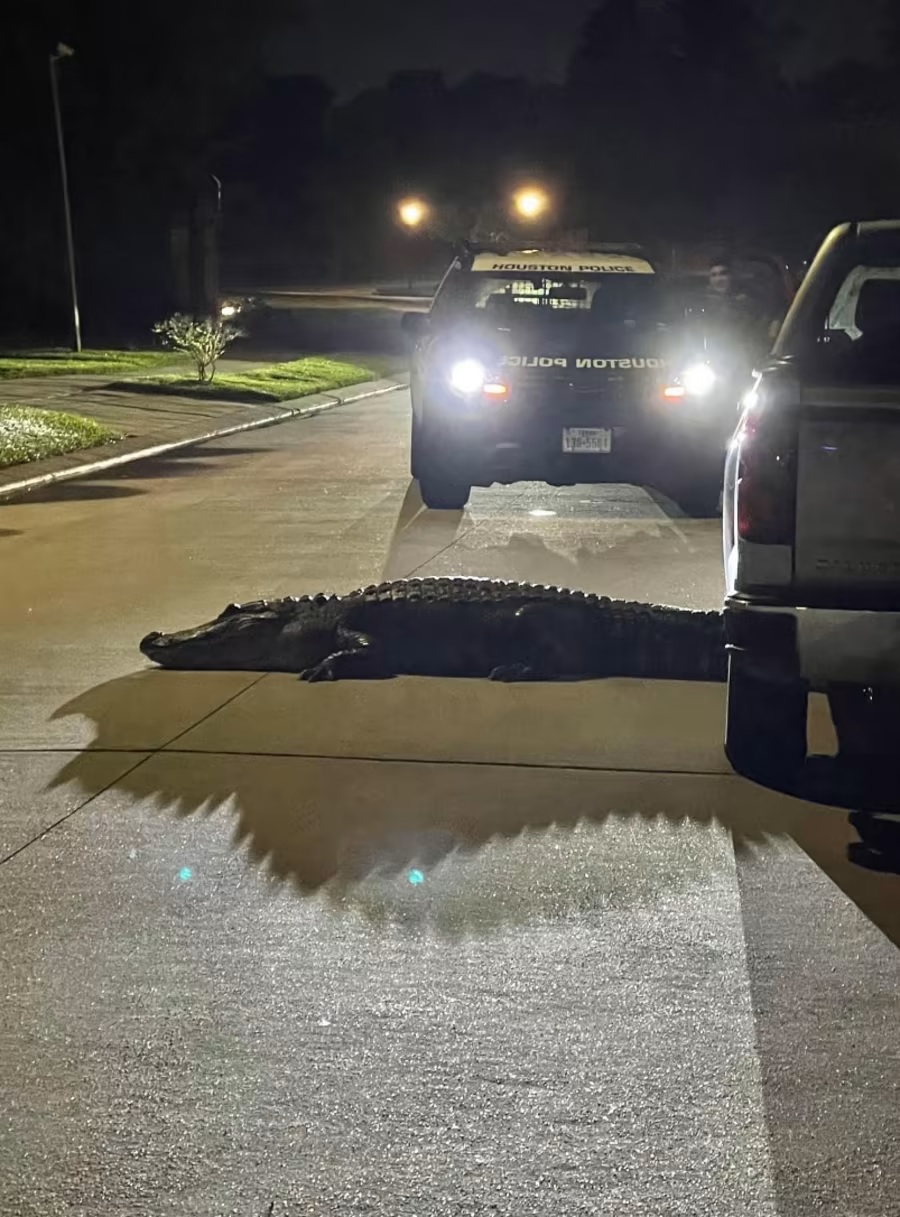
203	338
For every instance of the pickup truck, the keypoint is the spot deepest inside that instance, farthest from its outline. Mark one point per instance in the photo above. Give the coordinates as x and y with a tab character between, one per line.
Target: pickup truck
812	524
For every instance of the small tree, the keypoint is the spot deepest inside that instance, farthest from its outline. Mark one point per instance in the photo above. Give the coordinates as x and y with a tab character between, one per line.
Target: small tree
203	338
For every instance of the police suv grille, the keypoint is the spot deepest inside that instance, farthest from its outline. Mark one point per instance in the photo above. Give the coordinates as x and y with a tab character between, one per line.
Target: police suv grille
560	395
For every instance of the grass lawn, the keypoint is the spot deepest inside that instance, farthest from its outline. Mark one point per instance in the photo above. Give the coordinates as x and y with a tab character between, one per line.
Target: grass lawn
87	363
277	382
27	434
380	364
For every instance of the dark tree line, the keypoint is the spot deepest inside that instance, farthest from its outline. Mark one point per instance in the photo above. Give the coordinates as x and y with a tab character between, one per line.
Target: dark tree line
672	123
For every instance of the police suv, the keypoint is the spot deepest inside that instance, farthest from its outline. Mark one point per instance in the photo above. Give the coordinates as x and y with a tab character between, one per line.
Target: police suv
560	367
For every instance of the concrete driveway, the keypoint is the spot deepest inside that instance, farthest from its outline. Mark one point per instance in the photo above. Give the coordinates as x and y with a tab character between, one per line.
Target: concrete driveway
413	946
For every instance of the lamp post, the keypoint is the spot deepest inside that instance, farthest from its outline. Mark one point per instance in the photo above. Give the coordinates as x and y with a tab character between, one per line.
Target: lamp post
65	52
412	214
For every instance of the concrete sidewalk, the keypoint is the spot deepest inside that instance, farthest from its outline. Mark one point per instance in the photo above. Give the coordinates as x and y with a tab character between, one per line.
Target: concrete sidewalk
151	423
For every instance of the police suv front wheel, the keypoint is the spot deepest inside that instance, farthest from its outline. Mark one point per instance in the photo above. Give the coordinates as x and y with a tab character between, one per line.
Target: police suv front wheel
440	484
441	494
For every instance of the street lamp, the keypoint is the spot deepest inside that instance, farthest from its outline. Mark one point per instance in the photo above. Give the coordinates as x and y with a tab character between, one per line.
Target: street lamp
530	202
65	52
412	213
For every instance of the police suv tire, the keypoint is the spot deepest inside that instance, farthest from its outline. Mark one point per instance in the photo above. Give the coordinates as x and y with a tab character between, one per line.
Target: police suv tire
441	494
765	726
441	488
415	446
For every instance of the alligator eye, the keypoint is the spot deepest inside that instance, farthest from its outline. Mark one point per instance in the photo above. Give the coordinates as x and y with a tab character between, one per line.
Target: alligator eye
250	606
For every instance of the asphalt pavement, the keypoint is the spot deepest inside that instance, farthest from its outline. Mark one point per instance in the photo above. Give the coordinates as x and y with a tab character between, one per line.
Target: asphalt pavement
410	947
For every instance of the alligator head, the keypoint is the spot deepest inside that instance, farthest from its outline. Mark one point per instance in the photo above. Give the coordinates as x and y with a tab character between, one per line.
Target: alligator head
258	637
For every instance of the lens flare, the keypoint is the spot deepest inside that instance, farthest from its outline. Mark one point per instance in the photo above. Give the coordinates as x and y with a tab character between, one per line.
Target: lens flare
699	379
467	376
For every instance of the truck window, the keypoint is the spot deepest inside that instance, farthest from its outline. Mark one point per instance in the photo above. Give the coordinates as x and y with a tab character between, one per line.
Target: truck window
857	340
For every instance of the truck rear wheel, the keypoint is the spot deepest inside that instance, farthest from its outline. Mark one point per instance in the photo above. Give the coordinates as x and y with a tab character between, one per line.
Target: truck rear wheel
765	728
441	485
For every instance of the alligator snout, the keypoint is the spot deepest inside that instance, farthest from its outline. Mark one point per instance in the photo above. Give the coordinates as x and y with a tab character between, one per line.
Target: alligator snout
204	647
152	642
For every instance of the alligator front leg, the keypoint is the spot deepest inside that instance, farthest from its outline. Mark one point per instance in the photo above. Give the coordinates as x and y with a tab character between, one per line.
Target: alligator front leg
347	665
357	660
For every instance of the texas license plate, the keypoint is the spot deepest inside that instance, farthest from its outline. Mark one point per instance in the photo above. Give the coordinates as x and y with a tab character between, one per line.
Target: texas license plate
586	439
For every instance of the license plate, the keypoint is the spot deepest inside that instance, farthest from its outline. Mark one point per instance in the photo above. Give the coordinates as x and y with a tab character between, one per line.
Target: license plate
586	439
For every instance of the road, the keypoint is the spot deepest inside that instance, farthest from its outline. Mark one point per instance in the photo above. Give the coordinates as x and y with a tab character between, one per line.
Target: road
415	946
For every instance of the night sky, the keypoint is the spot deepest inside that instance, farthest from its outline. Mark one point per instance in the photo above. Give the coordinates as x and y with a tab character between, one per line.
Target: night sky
358	43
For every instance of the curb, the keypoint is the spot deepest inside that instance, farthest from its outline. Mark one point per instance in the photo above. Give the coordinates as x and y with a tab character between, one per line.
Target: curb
286	414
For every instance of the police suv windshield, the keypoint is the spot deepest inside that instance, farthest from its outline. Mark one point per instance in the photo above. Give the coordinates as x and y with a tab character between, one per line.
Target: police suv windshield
512	299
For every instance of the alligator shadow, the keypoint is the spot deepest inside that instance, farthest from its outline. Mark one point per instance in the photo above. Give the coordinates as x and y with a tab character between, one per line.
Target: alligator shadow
330	824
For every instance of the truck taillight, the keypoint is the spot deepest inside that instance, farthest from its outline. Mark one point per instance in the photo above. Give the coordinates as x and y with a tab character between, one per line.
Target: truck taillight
766	489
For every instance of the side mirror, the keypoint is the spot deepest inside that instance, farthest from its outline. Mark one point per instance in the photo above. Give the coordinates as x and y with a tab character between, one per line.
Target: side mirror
414	325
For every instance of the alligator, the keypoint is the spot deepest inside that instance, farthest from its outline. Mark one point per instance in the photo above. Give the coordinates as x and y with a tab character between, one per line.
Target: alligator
452	627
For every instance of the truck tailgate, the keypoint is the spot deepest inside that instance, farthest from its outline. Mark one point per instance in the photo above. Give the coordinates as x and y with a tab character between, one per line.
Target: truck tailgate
848	496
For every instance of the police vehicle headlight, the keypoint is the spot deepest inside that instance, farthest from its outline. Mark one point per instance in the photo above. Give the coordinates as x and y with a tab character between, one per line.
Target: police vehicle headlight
699	379
468	376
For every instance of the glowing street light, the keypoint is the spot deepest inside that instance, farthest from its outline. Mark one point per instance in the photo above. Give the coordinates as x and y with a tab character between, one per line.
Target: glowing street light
530	202
412	212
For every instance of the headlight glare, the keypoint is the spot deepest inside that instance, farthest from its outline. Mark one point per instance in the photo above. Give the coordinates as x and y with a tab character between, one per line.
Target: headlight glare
698	379
468	376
